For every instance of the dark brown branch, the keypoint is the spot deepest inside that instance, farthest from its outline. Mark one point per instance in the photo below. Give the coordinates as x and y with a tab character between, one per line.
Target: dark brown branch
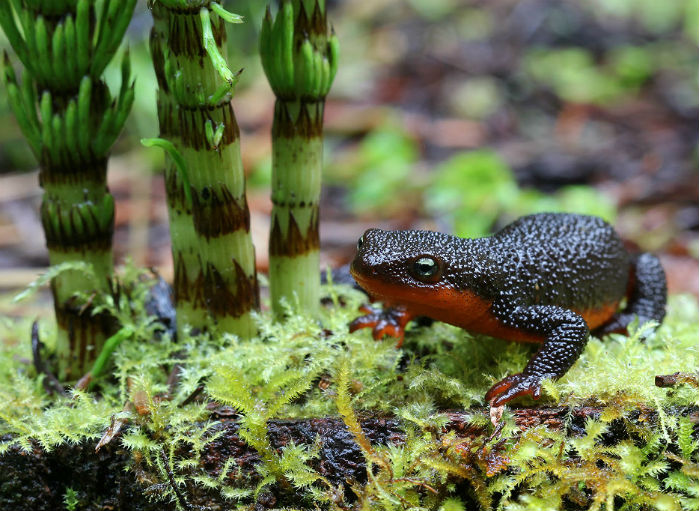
171	479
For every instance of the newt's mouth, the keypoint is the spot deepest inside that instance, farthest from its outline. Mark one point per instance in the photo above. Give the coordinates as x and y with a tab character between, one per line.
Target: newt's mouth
369	279
360	272
378	287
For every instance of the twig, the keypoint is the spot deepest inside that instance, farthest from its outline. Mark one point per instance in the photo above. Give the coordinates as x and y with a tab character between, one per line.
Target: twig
417	483
173	379
50	382
192	396
671	380
171	478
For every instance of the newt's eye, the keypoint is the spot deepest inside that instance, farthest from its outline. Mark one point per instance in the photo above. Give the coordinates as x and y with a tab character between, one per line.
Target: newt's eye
425	267
360	242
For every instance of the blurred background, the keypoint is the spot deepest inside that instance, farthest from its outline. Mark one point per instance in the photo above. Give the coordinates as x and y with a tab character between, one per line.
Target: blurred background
455	115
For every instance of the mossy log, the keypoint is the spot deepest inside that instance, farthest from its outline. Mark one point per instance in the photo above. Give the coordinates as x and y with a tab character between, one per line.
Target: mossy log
39	480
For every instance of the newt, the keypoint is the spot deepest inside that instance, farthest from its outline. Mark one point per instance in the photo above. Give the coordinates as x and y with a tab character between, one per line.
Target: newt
548	278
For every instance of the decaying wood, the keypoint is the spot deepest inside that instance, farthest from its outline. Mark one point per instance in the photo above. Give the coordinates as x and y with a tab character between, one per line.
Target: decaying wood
38	480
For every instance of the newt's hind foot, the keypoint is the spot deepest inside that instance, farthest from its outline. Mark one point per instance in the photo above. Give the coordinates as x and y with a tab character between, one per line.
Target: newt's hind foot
391	321
647	296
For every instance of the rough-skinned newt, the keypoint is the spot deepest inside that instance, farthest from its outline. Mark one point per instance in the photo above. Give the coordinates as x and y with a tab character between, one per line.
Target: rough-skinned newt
547	278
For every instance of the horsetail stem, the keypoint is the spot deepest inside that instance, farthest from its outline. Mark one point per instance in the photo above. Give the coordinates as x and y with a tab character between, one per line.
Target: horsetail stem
70	120
215	281
299	54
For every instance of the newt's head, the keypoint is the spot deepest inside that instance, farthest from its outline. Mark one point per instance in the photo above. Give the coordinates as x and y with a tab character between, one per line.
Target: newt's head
403	266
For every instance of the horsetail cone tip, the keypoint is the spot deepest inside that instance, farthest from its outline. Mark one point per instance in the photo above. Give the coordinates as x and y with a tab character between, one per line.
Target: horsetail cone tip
299	50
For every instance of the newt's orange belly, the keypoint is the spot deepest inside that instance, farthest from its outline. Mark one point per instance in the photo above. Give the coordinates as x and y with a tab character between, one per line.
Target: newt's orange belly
465	309
595	318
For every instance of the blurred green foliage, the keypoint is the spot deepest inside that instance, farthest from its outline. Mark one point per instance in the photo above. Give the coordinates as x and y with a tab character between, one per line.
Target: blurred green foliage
383	169
574	76
472	188
610	52
433	10
654	15
478	97
472	192
476	190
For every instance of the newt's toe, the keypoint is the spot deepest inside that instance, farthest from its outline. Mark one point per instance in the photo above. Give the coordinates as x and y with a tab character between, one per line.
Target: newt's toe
368	321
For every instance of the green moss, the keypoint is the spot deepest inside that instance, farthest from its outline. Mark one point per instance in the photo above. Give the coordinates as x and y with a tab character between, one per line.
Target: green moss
70	499
314	367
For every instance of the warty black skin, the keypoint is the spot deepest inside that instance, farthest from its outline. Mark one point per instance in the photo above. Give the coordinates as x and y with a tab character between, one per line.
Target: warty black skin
535	273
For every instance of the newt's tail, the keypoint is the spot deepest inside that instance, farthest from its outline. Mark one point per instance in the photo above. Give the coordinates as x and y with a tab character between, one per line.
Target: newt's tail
646	298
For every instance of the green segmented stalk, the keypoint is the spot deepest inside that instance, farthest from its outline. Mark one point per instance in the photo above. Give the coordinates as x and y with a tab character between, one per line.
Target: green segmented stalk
215	280
299	55
190	305
71	135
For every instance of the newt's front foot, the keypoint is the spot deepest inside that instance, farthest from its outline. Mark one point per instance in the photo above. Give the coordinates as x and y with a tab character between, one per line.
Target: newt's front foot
391	321
514	386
